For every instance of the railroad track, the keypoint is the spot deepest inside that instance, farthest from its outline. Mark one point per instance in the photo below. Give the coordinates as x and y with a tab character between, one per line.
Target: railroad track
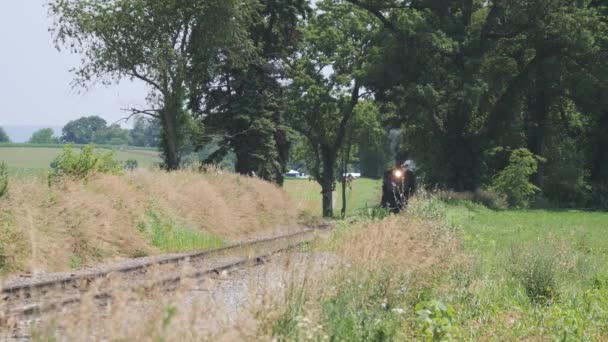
21	299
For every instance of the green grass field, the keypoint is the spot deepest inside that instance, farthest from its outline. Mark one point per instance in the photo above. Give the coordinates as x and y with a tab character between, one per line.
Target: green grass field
32	160
364	193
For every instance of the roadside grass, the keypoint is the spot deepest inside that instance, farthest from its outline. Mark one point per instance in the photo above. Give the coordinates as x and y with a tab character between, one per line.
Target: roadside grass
28	160
306	194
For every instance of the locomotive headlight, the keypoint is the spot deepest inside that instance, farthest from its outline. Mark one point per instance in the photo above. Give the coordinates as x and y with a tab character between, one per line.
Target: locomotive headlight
398	173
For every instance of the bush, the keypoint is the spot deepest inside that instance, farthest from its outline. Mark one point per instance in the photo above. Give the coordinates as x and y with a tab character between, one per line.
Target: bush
486	197
535	268
3	179
514	180
84	164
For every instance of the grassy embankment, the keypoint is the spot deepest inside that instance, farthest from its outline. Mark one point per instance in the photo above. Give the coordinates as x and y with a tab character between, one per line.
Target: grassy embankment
108	217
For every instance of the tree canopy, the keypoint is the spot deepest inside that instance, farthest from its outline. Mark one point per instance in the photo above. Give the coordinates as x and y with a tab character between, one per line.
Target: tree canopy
44	136
4	138
464	87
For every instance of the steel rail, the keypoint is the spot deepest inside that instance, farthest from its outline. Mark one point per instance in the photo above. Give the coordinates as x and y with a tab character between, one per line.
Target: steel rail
18	300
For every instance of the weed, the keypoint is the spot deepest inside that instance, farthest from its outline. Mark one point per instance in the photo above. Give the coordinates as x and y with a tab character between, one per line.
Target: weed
535	268
75	262
130	164
434	320
374	213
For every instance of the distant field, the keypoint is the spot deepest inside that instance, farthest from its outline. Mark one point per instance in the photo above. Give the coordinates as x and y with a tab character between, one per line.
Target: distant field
365	193
28	160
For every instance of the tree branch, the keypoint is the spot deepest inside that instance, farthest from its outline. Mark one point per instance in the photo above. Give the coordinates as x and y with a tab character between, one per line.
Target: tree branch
134	111
376	12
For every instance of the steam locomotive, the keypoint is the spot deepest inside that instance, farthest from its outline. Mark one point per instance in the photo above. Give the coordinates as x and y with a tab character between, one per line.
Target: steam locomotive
398	185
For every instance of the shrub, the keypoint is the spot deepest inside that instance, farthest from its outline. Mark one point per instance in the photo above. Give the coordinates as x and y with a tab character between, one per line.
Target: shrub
535	268
598	198
434	320
490	199
514	180
3	179
130	165
84	164
486	197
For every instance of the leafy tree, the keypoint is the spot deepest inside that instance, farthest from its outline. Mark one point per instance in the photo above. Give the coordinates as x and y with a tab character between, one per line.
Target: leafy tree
4	138
83	130
145	132
245	104
514	180
112	135
363	129
468	76
327	85
44	136
153	41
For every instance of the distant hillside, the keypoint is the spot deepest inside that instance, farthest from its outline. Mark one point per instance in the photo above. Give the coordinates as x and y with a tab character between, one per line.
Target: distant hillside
19	134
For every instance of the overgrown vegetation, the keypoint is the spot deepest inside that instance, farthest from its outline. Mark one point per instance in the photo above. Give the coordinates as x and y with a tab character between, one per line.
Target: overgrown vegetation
134	214
83	164
517	275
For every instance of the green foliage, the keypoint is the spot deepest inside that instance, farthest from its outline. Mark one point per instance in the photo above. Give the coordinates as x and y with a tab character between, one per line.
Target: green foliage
44	136
145	132
123	39
170	237
82	130
4	138
359	313
84	164
112	135
514	180
434	320
3	179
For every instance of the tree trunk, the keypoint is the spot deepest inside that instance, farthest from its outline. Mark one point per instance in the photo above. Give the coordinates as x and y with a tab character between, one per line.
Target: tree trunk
537	120
327	188
345	162
343	175
170	136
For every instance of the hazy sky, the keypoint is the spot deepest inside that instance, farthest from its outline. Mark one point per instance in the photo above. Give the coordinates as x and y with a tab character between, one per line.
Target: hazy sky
35	78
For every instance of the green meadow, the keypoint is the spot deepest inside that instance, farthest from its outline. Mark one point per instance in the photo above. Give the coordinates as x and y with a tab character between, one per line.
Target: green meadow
23	159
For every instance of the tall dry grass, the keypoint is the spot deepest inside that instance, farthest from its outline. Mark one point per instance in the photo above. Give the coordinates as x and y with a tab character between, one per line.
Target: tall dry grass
359	287
81	223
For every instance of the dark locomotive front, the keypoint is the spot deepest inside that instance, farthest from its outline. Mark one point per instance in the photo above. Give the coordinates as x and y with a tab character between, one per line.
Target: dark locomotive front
398	185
